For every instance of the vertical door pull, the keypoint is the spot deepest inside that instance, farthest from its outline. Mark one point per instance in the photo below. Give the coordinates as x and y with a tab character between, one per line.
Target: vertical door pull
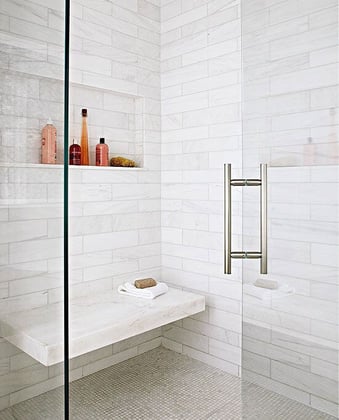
228	184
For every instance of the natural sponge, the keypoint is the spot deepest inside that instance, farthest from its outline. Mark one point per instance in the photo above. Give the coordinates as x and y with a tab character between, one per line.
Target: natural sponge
121	161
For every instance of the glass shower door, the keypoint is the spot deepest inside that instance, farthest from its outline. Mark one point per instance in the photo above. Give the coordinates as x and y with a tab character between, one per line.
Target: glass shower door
31	209
290	326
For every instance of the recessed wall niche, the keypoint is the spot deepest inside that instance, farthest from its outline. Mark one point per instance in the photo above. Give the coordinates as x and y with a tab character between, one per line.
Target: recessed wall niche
117	117
29	100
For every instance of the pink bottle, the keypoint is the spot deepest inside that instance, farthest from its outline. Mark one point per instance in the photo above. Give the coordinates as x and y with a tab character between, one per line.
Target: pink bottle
101	152
48	143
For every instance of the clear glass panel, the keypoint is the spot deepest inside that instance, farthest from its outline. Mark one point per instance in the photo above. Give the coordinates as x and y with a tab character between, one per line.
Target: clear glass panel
31	209
114	222
290	93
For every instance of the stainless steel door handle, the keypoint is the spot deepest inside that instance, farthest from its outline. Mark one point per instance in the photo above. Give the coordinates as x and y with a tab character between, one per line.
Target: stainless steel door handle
228	184
228	219
263	219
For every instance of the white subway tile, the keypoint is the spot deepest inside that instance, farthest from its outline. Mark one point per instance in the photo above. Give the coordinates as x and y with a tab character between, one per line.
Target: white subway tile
283	11
186	337
305	79
324	405
224	32
102	19
308	382
188	280
225	351
22	231
171	345
185	103
90	192
112	240
136	18
323	368
276	386
212	361
324	17
37	31
304	42
109	361
149	236
225	320
109	270
322	254
255	363
324	56
20	379
184	18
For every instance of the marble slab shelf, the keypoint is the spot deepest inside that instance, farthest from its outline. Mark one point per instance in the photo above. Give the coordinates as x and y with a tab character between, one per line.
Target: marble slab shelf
95	321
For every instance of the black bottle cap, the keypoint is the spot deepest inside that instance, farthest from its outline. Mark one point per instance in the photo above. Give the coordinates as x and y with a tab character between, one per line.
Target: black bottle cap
84	112
102	140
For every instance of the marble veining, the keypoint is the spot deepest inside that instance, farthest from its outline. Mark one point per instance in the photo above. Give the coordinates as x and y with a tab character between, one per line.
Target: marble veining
95	321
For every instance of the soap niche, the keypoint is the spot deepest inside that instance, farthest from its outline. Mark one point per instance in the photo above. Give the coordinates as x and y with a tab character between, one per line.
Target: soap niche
117	117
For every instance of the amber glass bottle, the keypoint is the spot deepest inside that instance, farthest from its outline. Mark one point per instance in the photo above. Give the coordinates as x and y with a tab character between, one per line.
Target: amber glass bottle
84	139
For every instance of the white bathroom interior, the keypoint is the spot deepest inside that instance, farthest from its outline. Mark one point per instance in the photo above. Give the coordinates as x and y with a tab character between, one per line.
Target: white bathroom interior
181	87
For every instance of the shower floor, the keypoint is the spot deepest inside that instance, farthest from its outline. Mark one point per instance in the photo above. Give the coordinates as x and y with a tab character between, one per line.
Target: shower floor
159	385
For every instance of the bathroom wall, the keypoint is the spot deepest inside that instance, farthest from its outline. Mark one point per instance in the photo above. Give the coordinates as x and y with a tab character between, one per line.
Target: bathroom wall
201	130
290	344
114	214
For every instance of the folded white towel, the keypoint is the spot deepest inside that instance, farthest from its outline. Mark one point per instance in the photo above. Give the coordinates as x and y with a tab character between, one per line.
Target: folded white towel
268	294
147	293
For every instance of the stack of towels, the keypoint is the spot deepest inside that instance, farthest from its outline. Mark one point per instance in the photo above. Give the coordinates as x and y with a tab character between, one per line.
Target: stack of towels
144	288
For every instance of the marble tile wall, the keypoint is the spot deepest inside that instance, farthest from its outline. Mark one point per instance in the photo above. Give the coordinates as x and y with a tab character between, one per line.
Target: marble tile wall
114	237
290	344
114	214
201	130
120	227
301	329
290	83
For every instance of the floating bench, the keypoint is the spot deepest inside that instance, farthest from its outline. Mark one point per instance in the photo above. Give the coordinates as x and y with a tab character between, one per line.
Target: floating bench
95	321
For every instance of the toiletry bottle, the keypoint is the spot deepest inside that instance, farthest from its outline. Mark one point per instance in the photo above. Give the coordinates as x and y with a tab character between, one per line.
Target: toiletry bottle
75	154
101	153
48	143
309	152
84	139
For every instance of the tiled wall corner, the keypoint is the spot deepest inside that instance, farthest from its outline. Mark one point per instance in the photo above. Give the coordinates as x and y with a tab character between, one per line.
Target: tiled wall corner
201	130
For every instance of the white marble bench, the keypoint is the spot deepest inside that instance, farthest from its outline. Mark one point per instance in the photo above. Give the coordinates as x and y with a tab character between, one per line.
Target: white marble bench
95	321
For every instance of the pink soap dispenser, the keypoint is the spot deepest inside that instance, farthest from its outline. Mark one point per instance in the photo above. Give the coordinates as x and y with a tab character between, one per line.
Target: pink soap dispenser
101	152
49	143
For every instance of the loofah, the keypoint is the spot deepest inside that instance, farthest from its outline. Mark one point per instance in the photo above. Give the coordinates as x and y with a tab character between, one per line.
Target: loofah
143	283
121	161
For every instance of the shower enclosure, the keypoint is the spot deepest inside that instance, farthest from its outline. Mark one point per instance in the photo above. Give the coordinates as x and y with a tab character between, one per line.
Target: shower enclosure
290	117
183	88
